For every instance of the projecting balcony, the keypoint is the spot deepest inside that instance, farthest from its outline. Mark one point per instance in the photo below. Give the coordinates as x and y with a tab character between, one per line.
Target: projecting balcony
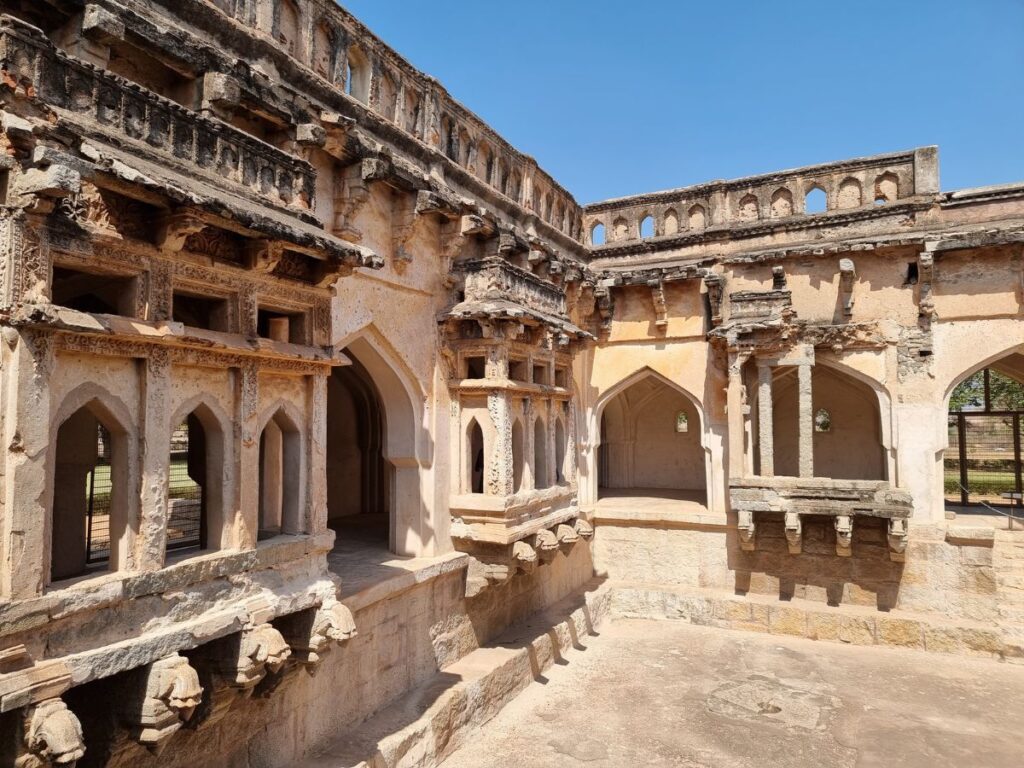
842	500
96	103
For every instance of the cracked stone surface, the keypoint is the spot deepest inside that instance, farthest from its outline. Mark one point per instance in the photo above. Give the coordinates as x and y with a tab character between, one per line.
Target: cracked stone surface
670	694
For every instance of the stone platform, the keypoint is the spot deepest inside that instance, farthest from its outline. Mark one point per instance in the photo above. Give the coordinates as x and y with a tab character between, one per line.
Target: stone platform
666	694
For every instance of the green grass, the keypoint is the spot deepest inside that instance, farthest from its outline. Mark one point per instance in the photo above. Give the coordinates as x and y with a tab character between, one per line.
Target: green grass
181	483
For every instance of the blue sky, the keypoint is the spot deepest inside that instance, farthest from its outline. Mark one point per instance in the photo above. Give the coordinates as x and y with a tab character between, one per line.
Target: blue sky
616	98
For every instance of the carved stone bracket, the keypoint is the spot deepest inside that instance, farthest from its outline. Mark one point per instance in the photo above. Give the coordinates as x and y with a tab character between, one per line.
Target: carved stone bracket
263	256
52	736
355	194
261	650
844	535
794	533
660	307
925	278
566	535
715	285
898	536
546	545
525	556
584	529
312	635
847	276
162	698
747	529
173	229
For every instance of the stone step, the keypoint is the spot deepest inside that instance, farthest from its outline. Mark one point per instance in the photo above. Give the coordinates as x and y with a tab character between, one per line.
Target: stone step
431	721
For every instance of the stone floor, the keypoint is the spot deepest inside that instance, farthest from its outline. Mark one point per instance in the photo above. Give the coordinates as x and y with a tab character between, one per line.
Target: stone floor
649	693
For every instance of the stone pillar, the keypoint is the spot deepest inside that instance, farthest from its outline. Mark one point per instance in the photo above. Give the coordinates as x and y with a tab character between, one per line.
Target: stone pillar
27	362
736	407
317	429
243	532
155	450
806	409
500	478
765	425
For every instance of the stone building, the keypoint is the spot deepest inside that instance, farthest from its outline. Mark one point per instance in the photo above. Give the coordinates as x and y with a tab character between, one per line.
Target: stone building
313	387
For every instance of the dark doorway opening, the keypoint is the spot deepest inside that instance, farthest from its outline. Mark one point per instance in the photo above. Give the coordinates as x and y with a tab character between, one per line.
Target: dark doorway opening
358	485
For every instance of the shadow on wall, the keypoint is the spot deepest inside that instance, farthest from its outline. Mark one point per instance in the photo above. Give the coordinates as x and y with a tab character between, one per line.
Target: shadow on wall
867	578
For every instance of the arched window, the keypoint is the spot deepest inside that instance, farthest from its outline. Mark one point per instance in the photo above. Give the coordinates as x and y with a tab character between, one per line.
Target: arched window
518	459
671	222
324	51
620	229
515	186
449	139
387	97
647	227
682	422
475	457
815	201
697	217
89	493
187	500
597	234
822	421
886	188
484	163
357	78
748	208
560	448
280	477
288	27
849	195
540	454
782	203
412	111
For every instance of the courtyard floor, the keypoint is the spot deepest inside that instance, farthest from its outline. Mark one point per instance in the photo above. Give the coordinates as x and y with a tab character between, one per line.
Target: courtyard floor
646	693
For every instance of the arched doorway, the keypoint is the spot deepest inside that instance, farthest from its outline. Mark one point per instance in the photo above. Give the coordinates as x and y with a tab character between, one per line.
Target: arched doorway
982	465
358	487
651	445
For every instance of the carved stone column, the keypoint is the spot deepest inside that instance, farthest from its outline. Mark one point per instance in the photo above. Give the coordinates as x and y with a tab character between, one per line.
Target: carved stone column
806	408
765	425
499	476
155	449
246	528
736	416
27	364
317	473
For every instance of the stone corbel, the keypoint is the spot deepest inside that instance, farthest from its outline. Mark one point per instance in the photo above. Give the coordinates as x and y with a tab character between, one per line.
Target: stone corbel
162	697
407	226
925	278
263	256
778	278
847	276
220	90
173	229
51	736
794	533
605	304
261	650
898	536
660	307
510	244
313	635
715	285
566	535
355	194
474	225
39	189
525	557
747	529
546	545
584	529
844	535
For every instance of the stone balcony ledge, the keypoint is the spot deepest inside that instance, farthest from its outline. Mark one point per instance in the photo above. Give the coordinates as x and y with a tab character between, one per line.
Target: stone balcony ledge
97	100
131	331
843	500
